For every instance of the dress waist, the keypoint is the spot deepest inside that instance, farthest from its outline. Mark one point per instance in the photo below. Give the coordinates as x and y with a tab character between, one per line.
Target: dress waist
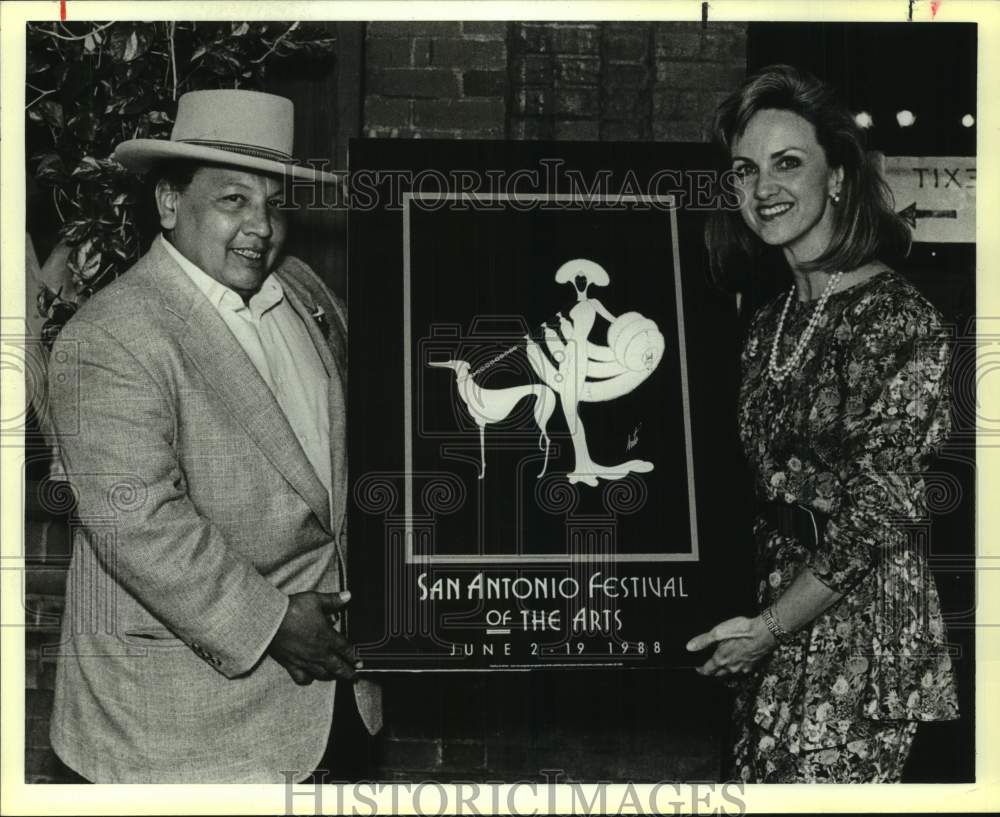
805	525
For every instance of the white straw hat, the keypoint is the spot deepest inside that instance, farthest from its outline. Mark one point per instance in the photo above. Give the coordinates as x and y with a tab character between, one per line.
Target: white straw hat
246	129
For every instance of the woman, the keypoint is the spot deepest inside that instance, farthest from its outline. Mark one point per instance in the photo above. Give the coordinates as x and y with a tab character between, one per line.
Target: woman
593	373
843	403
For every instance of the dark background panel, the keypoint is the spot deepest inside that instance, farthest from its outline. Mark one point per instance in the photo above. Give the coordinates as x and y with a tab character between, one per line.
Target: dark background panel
884	68
484	272
640	263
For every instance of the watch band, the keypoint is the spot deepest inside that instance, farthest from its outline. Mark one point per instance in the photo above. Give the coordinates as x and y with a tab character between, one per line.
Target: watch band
781	635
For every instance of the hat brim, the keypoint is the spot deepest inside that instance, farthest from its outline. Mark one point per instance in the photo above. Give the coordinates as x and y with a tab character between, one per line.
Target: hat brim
140	155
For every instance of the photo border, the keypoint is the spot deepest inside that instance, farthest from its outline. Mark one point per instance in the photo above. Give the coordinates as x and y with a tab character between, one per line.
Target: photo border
983	795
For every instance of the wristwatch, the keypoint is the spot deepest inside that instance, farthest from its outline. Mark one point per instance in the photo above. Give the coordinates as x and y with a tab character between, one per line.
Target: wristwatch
781	635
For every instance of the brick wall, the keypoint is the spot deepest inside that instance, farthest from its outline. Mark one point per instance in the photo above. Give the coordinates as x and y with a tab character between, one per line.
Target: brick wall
436	79
589	725
695	68
575	81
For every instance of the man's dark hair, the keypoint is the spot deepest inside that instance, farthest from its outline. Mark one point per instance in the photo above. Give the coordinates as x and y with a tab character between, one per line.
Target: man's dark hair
178	173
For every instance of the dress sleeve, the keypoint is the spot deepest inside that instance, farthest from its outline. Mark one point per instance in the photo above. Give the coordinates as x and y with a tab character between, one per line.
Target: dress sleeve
895	418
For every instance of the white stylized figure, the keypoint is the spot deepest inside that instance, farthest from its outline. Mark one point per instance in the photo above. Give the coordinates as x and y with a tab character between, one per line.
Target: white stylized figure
488	406
593	373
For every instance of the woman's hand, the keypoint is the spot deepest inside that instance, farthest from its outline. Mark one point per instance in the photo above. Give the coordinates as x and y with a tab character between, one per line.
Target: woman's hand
742	643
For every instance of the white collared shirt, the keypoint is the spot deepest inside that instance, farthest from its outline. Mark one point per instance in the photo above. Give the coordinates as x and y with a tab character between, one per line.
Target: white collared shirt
278	344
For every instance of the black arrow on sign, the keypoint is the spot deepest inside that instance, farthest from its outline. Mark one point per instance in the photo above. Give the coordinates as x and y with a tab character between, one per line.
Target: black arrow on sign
911	214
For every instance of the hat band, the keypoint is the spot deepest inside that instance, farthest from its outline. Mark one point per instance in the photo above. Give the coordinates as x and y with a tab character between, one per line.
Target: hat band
242	150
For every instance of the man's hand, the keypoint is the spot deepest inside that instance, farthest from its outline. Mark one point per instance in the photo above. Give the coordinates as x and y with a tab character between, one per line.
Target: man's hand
307	645
742	643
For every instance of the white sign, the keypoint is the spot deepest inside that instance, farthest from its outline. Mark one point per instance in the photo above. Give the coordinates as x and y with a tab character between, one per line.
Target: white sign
935	195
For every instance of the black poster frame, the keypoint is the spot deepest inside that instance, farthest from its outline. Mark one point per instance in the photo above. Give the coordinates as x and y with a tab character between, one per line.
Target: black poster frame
420	209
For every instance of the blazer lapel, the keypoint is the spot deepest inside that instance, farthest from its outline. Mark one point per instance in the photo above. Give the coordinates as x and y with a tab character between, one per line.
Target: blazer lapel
330	345
227	369
331	348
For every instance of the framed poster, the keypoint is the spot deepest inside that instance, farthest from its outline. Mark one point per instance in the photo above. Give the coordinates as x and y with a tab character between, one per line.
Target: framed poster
529	407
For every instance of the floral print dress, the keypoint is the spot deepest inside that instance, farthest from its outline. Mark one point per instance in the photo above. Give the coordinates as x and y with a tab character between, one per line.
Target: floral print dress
849	434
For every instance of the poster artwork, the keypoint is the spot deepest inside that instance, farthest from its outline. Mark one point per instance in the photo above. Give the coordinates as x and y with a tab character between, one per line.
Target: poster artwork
573	369
531	501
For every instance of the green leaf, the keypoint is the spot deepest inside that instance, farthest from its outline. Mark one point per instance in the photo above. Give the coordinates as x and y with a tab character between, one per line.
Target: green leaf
85	261
131	47
93	169
128	41
118	40
135	106
84	126
116	246
37	62
51	168
47	111
51	329
75	231
62	311
44	299
78	84
59	73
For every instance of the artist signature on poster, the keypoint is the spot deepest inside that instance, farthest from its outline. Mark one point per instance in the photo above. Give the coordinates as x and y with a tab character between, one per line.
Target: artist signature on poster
633	438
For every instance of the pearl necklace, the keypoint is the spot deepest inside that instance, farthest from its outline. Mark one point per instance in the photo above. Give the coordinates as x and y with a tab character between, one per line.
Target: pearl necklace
779	373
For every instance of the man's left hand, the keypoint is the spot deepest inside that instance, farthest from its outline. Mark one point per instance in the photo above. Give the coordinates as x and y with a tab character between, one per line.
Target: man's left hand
308	646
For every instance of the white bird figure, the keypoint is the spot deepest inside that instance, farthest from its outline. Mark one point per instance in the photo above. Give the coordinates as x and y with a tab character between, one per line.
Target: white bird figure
489	406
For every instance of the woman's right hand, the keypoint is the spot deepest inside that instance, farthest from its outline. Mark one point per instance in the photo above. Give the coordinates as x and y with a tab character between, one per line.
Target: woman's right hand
742	642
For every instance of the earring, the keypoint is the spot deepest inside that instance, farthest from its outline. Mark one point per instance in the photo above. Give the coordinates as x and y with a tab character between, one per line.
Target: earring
835	198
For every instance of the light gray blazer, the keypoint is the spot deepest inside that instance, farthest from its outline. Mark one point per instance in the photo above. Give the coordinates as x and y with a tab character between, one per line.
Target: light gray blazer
199	514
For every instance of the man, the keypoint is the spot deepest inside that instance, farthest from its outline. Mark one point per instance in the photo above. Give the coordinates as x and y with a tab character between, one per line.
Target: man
200	416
